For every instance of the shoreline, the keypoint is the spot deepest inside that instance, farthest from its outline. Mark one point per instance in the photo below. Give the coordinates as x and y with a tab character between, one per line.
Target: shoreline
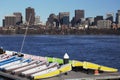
65	32
58	35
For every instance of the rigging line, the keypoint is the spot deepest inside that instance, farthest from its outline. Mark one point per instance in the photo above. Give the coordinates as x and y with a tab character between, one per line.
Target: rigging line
25	34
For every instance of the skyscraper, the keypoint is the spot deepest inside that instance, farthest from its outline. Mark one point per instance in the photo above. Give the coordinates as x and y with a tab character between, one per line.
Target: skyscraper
18	17
109	16
64	18
118	17
30	15
78	15
10	20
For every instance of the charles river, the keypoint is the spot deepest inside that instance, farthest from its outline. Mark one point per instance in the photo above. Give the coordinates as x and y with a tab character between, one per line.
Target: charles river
100	49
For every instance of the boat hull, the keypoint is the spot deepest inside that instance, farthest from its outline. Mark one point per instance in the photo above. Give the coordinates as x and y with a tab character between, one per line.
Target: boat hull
61	70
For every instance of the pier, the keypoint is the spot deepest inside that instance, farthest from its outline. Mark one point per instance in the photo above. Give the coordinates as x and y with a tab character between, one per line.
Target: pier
72	75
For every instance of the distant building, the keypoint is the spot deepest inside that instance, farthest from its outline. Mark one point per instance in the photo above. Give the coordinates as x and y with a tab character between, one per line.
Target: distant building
104	24
64	18
114	26
90	21
73	22
30	15
118	17
83	20
37	20
109	16
52	17
53	21
3	22
10	20
18	17
97	18
78	15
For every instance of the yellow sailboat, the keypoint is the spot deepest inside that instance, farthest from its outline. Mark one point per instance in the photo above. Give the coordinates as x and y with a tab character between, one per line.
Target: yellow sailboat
76	63
89	65
108	69
93	66
63	69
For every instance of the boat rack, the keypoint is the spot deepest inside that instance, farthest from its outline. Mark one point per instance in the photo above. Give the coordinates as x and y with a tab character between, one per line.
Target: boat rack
74	70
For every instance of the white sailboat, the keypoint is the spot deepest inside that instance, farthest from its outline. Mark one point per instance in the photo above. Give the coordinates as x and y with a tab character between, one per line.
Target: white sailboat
35	69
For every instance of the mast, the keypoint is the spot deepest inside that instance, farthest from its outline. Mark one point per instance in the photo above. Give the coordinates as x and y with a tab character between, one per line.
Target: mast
25	34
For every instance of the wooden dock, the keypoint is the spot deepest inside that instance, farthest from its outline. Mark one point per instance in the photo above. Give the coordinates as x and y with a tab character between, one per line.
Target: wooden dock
72	75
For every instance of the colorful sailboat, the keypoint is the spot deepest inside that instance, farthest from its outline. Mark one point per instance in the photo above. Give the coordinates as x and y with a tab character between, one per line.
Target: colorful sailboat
51	67
20	65
89	65
10	64
52	59
42	65
76	63
19	70
9	61
108	69
56	71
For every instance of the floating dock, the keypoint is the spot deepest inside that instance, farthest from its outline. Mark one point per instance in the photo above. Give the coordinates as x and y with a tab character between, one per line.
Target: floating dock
72	75
73	70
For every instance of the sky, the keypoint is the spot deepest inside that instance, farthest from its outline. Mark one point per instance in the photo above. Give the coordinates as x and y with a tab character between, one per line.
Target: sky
44	8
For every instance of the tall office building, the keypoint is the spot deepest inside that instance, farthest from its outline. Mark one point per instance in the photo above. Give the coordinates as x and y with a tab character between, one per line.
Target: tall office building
118	17
109	16
78	15
64	18
10	20
18	17
30	15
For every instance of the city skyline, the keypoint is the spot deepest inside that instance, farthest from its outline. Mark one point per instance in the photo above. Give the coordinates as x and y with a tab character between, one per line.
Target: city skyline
45	8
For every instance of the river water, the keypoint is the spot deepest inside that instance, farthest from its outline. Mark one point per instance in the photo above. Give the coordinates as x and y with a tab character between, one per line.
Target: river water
100	49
